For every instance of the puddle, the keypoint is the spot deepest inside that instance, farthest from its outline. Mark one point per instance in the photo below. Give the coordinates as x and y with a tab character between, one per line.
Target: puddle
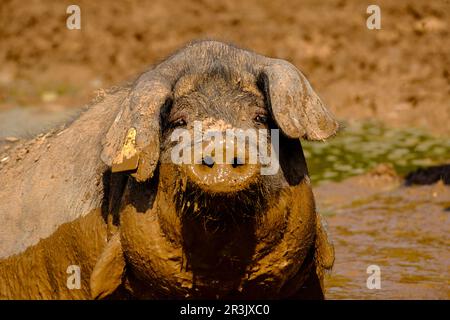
374	220
405	231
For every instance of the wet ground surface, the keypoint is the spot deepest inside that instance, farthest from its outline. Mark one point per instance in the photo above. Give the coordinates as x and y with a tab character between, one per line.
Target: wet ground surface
375	220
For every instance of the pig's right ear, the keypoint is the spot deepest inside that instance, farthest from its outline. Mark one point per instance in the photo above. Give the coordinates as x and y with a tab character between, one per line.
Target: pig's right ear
132	143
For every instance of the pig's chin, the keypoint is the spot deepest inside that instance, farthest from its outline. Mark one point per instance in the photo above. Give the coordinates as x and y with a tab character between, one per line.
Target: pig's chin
220	212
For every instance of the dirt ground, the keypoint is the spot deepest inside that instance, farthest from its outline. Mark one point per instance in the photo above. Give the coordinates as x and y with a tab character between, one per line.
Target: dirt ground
398	76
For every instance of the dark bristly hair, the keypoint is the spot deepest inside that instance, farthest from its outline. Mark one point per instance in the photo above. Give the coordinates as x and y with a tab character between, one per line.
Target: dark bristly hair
220	211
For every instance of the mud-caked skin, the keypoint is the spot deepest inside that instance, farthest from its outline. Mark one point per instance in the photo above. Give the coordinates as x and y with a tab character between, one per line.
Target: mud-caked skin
157	229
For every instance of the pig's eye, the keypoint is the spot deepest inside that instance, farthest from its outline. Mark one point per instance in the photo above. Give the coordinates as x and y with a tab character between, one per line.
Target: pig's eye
261	118
179	122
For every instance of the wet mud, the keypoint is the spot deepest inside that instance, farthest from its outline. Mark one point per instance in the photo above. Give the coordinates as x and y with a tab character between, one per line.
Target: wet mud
375	219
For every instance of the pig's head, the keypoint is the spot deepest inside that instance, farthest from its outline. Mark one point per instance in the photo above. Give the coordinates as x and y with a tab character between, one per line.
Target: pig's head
200	217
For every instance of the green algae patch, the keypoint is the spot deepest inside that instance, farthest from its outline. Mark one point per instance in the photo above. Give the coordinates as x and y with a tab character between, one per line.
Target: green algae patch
359	147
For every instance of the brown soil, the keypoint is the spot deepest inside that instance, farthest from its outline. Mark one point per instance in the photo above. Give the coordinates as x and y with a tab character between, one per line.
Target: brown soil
399	74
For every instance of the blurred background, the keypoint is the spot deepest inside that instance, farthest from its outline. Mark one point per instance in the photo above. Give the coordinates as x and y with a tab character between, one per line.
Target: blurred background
389	87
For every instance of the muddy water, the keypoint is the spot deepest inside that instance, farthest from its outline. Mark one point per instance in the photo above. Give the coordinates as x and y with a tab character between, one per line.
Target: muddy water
375	220
404	231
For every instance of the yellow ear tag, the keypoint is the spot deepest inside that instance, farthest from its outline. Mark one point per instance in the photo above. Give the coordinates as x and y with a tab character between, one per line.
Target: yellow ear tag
128	157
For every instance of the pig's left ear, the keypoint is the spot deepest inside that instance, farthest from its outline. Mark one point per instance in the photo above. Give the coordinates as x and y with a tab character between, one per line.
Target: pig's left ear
133	140
295	107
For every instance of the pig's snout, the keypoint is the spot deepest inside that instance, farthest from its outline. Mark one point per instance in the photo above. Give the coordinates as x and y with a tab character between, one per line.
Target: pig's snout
222	178
213	175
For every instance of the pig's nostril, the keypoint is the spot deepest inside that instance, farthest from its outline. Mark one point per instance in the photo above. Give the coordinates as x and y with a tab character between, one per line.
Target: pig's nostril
237	162
208	161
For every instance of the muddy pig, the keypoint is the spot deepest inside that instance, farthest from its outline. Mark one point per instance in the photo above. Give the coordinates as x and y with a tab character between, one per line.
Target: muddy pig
105	209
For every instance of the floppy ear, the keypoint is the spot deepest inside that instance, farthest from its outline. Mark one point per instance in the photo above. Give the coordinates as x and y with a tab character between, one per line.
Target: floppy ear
295	106
132	143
